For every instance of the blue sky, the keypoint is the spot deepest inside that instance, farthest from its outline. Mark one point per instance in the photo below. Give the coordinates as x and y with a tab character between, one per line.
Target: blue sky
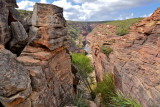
99	10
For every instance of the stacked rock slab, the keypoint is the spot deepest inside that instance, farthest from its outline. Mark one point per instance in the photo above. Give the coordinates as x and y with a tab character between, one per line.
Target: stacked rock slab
135	60
41	74
47	59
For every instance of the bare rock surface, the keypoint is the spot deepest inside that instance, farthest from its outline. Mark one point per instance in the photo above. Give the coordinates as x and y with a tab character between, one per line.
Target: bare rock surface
19	38
11	3
40	75
4	28
51	32
134	60
48	16
48	61
15	84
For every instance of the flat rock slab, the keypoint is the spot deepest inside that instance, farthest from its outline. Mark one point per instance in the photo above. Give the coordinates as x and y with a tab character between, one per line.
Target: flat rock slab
47	15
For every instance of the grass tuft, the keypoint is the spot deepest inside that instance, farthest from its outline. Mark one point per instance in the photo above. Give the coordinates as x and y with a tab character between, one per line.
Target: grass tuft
112	98
106	50
78	101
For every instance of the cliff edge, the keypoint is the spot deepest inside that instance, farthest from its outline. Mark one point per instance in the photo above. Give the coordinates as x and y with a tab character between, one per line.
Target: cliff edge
134	58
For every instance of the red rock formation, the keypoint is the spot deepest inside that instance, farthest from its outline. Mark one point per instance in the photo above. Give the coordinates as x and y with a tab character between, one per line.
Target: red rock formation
135	59
47	58
41	74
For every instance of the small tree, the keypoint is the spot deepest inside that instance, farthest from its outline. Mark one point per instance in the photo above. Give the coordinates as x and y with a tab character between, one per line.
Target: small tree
83	64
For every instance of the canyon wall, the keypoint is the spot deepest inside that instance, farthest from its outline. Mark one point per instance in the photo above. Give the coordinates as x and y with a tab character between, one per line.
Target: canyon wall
134	59
35	63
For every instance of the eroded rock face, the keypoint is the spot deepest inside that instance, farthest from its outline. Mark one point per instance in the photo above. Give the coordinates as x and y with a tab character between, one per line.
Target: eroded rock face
15	86
4	28
41	74
48	61
11	3
19	39
48	16
134	60
51	32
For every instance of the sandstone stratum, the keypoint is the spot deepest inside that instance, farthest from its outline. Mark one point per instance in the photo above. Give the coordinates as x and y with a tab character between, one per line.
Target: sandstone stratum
35	66
37	70
134	59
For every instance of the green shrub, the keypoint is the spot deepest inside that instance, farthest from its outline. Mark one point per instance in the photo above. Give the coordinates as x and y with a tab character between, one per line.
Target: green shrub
120	100
106	50
24	13
78	101
122	31
106	88
122	26
112	98
82	62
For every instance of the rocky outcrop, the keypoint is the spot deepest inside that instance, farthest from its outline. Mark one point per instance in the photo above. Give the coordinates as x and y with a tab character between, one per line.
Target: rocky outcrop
15	84
39	75
134	60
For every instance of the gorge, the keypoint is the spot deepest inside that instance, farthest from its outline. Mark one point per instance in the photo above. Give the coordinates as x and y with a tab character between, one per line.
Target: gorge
37	69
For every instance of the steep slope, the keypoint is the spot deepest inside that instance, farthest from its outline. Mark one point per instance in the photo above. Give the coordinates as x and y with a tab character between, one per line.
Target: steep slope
77	32
133	58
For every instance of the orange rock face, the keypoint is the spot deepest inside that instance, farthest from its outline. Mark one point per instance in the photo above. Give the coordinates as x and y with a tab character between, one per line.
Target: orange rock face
41	74
47	58
135	60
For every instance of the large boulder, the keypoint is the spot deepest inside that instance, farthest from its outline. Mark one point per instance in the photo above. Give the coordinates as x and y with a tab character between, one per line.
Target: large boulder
11	3
48	27
5	35
48	15
15	84
19	38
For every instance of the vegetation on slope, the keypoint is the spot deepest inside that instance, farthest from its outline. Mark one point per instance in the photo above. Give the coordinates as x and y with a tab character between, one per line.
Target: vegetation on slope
78	100
106	50
78	30
123	25
25	13
112	98
83	64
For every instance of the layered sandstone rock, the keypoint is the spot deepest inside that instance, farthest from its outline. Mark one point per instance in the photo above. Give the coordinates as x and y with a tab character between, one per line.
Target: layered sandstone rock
135	60
41	74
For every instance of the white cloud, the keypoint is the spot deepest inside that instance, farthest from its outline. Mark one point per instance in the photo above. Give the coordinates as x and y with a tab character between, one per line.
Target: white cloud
43	1
99	9
147	15
26	4
92	10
